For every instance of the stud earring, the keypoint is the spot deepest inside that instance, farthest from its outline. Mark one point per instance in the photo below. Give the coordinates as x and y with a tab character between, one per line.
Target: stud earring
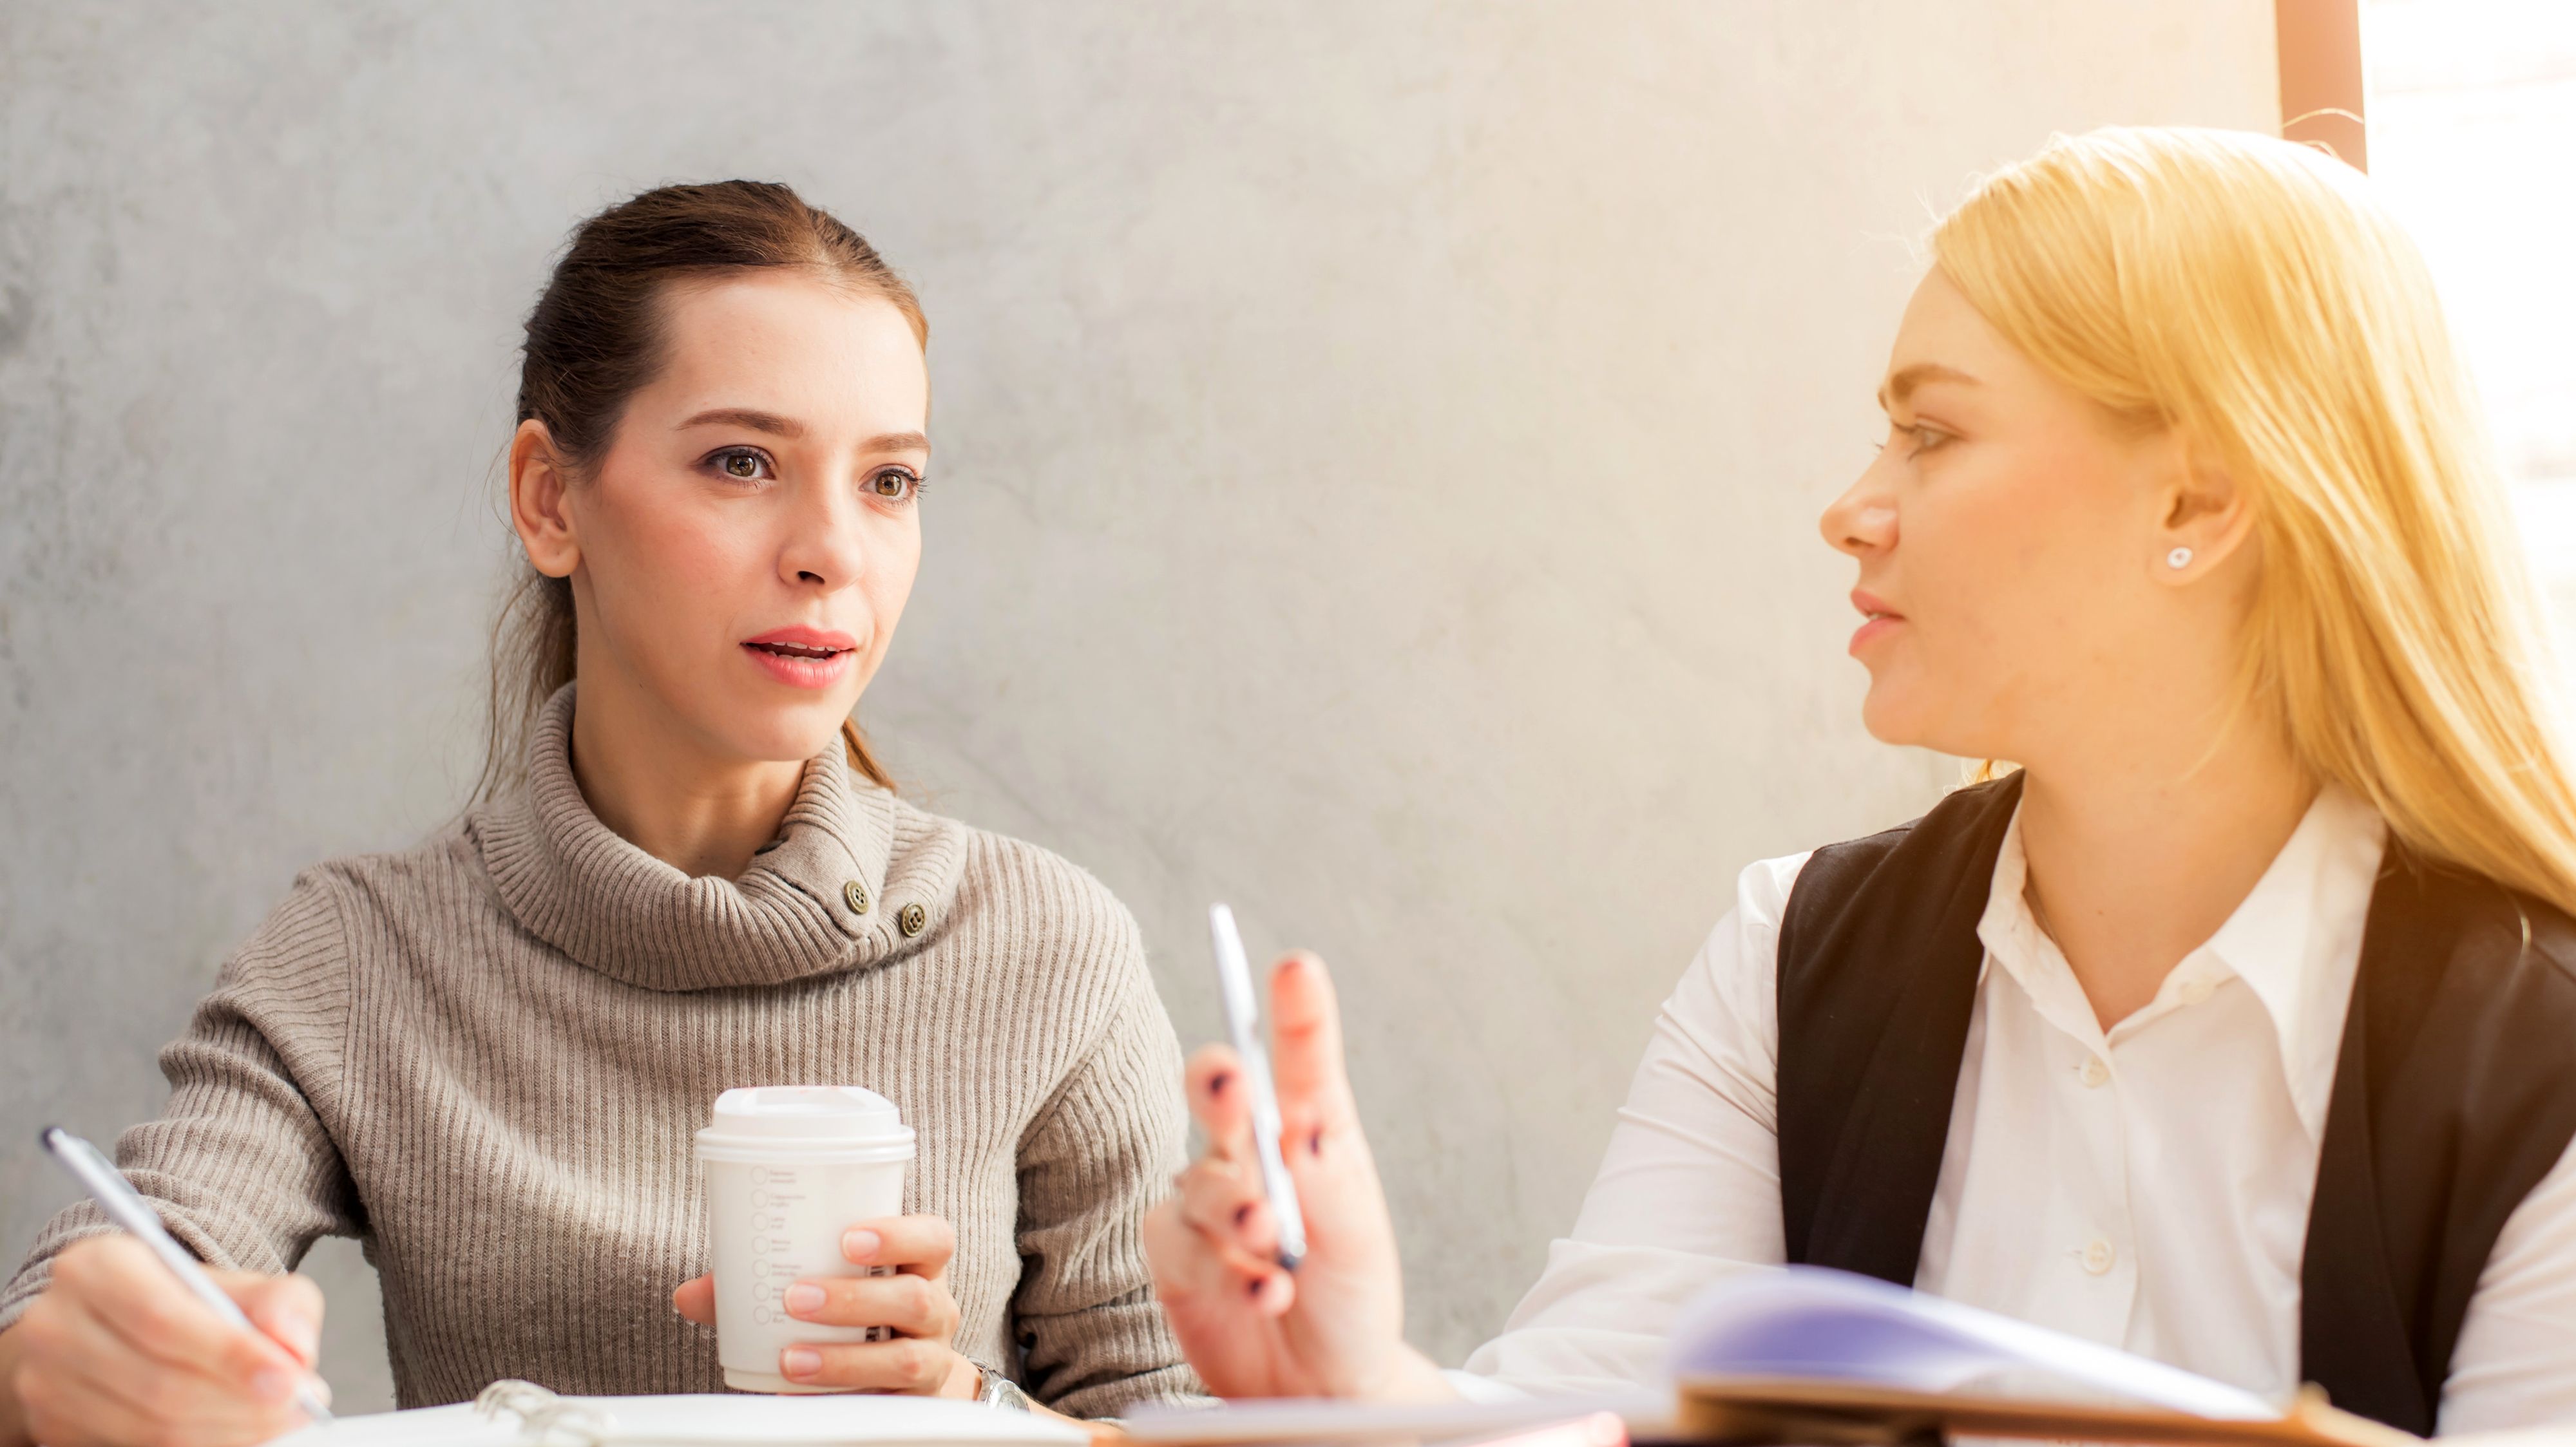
2179	558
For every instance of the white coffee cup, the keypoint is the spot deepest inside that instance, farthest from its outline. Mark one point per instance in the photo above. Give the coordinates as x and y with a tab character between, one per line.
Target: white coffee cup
788	1169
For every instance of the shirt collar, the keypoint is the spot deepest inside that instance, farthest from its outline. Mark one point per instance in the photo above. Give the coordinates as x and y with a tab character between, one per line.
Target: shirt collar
2295	940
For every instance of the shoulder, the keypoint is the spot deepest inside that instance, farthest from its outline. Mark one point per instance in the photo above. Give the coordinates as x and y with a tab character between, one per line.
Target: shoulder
1024	910
1728	999
2500	943
1964	820
395	888
2548	955
330	900
1908	883
291	976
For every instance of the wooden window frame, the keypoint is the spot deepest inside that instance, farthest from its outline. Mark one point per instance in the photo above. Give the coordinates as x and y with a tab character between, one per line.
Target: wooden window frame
2321	78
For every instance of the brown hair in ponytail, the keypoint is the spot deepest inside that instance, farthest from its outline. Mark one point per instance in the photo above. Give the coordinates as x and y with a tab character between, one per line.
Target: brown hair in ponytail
594	339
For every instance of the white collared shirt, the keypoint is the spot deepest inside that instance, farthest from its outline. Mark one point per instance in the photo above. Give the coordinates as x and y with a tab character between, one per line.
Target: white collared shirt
2146	1187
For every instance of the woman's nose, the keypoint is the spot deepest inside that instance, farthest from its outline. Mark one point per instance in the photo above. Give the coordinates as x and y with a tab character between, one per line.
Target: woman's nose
1863	519
824	544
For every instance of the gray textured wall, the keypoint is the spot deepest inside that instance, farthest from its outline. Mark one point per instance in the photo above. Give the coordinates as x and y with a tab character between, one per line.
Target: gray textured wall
1379	445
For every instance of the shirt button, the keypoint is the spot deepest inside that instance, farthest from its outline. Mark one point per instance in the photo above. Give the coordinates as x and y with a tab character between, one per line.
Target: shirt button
912	919
2094	1073
2099	1256
2197	991
855	895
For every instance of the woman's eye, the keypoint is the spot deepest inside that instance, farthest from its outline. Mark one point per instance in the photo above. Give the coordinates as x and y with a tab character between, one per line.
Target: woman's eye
742	464
894	483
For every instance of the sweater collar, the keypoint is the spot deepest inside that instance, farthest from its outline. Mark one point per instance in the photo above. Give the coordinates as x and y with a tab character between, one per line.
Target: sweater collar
814	901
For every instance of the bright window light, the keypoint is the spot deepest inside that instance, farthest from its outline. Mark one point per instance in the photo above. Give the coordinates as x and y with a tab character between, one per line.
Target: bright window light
2472	115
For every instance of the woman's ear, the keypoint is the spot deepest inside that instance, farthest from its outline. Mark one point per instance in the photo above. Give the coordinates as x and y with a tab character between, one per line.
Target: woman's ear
2206	516
539	484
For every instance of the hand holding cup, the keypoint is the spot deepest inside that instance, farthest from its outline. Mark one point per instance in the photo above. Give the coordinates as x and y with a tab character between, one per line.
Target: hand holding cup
910	1312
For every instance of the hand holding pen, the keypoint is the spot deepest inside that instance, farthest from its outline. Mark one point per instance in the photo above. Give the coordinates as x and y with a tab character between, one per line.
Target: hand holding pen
1220	1245
134	1342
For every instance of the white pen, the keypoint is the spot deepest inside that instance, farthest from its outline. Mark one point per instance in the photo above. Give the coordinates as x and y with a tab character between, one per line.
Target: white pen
107	1186
1243	1022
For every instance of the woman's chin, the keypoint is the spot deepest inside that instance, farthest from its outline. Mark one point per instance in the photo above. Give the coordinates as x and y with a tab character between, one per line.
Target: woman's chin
771	731
1892	715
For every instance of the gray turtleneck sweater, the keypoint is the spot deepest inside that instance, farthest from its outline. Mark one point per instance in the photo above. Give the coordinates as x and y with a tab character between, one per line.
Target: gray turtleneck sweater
485	1059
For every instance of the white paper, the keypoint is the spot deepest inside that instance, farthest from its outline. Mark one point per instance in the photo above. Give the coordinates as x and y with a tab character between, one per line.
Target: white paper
717	1420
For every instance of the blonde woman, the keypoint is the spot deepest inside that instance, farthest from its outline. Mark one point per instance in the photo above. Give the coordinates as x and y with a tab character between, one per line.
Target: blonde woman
2238	1026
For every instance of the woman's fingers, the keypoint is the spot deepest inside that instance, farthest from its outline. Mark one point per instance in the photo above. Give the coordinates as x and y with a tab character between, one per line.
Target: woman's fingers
183	1408
1218	1101
906	1364
111	1356
1219	1204
695	1300
907	1304
288	1309
1306	1041
1224	1201
1204	1283
116	1280
921	1245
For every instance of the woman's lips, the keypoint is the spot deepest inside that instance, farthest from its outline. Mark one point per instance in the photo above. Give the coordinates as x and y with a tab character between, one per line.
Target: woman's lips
804	657
1879	620
1871	631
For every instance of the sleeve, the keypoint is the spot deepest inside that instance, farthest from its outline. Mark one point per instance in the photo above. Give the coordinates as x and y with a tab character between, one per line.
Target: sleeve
1689	1189
1092	1338
239	1163
2515	1362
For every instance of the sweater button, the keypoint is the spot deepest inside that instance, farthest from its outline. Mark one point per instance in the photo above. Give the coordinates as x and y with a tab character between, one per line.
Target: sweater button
912	919
856	895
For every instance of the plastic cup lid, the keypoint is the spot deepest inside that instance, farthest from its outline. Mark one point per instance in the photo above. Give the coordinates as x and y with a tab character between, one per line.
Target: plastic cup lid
838	1113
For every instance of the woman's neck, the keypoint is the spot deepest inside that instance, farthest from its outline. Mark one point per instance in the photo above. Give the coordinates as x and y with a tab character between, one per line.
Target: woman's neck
661	792
2136	857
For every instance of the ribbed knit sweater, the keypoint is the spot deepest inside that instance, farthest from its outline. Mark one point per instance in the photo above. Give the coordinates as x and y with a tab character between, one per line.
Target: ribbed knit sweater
486	1058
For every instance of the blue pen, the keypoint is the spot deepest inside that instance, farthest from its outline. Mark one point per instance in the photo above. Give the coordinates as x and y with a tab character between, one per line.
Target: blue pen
106	1185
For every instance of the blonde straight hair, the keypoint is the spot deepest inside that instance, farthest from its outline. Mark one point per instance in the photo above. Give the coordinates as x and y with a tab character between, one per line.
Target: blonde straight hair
2253	295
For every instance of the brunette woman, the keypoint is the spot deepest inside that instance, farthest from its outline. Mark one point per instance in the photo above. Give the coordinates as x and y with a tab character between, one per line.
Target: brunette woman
2234	1027
485	1056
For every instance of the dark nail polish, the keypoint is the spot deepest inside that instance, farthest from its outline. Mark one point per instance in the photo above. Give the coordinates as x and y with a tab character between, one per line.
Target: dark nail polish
1242	1214
1315	1144
1217	1084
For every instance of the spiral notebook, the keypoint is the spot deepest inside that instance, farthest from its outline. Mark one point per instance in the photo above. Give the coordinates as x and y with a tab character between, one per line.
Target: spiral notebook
522	1414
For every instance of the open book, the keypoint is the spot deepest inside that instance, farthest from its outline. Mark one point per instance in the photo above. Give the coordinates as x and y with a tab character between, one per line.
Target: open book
1827	1357
1802	1355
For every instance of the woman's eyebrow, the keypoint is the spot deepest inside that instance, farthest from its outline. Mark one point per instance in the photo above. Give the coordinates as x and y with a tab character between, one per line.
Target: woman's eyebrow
757	421
791	429
1902	382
